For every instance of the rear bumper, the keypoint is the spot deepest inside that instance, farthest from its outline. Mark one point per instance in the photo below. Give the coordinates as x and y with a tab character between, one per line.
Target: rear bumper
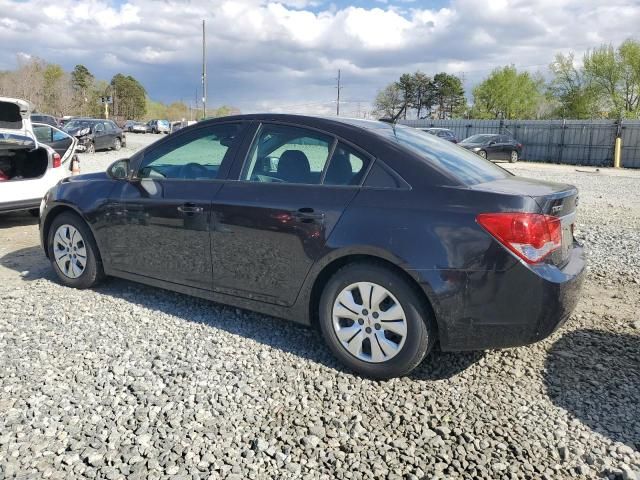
515	307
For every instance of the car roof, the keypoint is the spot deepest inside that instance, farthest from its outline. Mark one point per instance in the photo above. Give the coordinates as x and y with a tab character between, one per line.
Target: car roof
438	128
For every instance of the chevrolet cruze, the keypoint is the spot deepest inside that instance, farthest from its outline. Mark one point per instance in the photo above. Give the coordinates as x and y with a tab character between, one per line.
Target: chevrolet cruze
383	237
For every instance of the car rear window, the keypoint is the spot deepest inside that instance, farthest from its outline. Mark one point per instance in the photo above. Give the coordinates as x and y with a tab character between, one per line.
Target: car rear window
468	167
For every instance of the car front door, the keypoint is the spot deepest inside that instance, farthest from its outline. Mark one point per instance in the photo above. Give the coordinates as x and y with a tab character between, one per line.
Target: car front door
159	218
493	148
99	136
271	224
111	132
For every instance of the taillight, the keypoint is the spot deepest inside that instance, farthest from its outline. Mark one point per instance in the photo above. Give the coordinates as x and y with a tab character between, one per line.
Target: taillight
57	161
531	236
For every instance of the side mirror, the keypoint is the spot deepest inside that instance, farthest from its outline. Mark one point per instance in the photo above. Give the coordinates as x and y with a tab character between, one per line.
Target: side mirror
119	169
492	142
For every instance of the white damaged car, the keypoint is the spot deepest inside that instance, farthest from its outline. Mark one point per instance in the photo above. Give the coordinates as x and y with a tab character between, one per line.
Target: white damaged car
33	157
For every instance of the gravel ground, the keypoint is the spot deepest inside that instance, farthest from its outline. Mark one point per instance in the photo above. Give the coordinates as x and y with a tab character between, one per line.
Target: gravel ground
126	381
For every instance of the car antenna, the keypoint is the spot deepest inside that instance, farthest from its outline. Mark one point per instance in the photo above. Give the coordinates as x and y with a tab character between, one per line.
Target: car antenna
395	118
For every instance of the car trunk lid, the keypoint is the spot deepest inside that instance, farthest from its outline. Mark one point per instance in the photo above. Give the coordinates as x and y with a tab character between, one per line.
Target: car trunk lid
14	116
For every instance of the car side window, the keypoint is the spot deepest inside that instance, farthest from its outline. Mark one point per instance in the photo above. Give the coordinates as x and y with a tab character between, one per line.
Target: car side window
99	128
43	134
347	166
57	135
286	154
196	155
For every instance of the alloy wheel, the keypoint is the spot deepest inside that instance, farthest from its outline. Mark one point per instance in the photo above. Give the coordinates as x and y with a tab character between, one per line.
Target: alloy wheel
369	322
91	148
482	153
117	144
70	251
514	156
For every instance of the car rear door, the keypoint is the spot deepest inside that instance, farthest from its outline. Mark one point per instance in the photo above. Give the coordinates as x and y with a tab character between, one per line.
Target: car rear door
159	219
271	223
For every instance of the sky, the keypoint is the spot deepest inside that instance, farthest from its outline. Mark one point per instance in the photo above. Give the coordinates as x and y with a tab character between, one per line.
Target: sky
284	55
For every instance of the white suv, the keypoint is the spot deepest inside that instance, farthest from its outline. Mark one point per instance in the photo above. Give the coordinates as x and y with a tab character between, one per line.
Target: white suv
33	157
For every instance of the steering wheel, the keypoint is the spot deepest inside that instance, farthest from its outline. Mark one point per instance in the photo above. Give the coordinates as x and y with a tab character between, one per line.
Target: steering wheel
266	179
193	170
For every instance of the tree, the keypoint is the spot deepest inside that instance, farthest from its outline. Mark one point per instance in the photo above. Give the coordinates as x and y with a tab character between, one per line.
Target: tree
615	76
389	101
448	95
81	81
507	94
407	88
571	89
422	85
129	97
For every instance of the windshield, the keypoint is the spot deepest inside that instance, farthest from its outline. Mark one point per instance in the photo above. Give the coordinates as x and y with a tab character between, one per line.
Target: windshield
468	167
163	123
74	124
478	138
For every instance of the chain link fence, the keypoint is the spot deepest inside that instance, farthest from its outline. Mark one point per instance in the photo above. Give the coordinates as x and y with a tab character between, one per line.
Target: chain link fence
576	142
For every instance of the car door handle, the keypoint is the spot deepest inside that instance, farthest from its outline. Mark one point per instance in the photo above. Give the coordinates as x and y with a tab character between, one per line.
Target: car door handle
308	215
190	209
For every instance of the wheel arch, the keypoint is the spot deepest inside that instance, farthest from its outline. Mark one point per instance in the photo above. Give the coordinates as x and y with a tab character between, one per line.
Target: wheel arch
54	212
336	263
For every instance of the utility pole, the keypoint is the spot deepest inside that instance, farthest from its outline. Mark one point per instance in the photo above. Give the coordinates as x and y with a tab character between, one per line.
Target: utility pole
204	74
338	99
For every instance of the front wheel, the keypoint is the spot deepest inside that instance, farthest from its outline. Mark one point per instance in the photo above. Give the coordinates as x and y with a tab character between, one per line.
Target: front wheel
513	158
91	147
374	321
482	153
117	144
73	252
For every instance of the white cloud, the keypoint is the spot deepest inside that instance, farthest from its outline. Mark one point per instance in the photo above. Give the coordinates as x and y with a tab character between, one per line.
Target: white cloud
264	54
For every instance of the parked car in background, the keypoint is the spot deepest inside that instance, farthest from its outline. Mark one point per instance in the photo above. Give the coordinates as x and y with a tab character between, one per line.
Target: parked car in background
292	227
42	118
493	146
136	127
159	126
175	126
443	133
33	157
96	134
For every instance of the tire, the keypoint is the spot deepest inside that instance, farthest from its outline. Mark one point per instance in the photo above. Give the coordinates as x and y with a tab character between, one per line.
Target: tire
92	272
117	144
483	154
91	148
514	157
417	323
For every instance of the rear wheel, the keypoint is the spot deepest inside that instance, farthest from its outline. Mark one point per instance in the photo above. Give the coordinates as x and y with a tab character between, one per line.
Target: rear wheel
117	144
513	158
73	252
374	321
482	153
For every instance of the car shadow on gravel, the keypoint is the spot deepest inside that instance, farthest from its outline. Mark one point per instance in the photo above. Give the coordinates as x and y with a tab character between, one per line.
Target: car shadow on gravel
273	332
595	376
17	219
30	262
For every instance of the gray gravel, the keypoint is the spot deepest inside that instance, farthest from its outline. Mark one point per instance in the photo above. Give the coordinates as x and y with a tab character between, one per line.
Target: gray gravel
127	381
